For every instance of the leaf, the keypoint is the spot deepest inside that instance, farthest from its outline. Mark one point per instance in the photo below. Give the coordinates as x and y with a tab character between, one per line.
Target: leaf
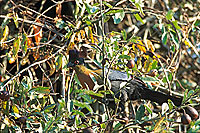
176	25
58	62
148	108
38	33
49	108
154	64
175	39
137	16
16	47
91	34
158	124
197	23
164	38
170	104
15	109
24	43
82	105
124	57
118	17
185	95
140	113
169	15
107	4
15	20
76	112
5	34
124	34
141	46
90	92
117	126
44	90
138	5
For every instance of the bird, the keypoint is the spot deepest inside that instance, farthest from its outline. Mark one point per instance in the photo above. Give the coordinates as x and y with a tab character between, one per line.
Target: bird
124	87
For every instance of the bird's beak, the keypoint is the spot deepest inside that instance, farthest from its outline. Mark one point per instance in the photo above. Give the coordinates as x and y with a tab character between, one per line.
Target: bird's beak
70	64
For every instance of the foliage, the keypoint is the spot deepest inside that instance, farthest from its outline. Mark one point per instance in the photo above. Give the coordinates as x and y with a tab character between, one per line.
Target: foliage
38	92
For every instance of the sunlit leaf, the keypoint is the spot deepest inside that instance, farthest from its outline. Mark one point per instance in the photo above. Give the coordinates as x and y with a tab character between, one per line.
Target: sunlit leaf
164	38
15	20
76	112
5	34
148	108
58	62
41	89
15	109
176	25
24	43
137	16
49	108
124	34
16	47
170	14
158	124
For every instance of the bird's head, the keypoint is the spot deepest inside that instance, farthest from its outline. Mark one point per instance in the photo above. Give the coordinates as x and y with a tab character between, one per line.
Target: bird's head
74	58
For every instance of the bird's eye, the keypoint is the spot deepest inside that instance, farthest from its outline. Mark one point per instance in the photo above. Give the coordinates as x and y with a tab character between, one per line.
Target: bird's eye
76	62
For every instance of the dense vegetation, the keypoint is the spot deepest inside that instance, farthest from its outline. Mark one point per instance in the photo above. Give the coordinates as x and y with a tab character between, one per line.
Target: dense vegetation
157	41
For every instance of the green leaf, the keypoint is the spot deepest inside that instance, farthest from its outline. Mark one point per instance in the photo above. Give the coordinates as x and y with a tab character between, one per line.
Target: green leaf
148	108
89	92
138	5
106	18
76	112
41	89
15	20
185	95
154	64
190	93
124	57
58	62
16	47
176	25
49	108
82	105
169	15
118	17
175	39
124	34
107	4
117	126
170	104
197	23
173	48
137	16
164	38
24	43
140	113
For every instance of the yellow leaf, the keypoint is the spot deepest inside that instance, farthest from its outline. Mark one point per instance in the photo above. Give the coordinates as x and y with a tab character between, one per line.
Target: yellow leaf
158	124
150	45
15	109
5	33
187	43
90	34
141	46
